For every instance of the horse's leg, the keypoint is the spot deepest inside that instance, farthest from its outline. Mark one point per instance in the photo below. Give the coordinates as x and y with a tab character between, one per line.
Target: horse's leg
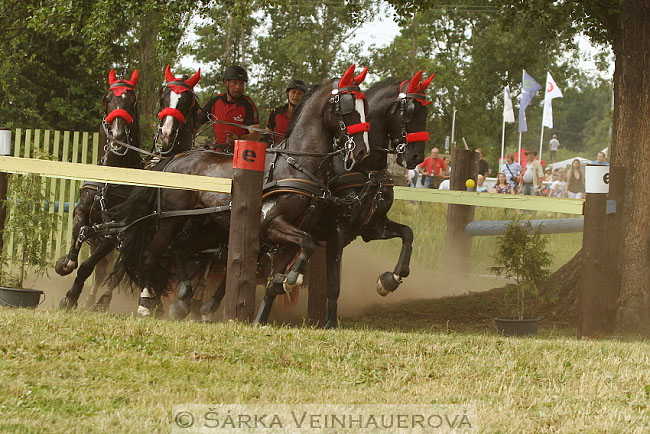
334	252
90	298
68	262
101	273
281	232
85	270
385	229
210	307
150	302
180	307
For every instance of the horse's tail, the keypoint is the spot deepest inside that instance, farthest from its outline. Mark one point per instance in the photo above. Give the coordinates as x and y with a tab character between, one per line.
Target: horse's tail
136	239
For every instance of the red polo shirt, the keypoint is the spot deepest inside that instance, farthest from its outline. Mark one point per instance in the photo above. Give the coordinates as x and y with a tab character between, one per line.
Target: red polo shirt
434	165
242	111
279	121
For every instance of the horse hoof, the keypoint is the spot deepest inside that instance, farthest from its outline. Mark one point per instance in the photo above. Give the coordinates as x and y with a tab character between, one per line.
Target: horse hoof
195	310
330	325
288	286
90	302
294	278
67	303
150	306
387	283
64	266
209	307
103	303
179	310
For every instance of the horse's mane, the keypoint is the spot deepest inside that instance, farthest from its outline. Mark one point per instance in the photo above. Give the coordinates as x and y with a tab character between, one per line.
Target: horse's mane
378	93
303	101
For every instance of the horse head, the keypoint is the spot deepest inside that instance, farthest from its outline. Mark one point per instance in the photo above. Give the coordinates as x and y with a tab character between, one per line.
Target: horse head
178	110
347	117
119	103
407	121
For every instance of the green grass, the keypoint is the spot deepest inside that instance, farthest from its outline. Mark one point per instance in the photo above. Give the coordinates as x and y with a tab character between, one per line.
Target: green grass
85	372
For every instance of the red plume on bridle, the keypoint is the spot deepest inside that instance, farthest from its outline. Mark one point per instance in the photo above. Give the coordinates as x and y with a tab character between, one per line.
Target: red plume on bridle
416	87
118	87
175	83
350	83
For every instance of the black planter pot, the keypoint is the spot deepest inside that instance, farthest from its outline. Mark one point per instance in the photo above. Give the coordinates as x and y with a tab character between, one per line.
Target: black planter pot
11	297
513	326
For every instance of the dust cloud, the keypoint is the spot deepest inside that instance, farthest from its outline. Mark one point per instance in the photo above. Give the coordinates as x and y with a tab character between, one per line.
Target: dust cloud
362	265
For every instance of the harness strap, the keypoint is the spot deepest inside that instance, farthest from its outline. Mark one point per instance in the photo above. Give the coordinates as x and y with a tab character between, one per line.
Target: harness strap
293	185
198	211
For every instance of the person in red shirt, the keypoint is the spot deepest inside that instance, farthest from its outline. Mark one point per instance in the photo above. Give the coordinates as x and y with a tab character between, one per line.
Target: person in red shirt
234	107
280	117
432	167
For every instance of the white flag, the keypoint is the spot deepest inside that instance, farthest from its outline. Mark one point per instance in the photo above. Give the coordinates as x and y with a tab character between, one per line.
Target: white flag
552	91
508	111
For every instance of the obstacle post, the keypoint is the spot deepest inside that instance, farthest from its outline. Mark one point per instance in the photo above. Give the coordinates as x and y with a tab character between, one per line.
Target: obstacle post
458	243
592	287
5	149
244	241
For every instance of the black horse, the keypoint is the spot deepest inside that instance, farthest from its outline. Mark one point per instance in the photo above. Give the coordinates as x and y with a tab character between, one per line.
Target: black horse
119	128
398	116
178	113
329	122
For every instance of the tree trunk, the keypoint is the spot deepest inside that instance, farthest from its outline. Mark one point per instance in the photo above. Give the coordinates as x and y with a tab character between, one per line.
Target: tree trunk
151	75
563	284
631	149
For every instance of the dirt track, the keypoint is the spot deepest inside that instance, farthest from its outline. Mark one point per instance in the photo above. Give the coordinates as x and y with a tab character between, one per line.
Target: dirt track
357	292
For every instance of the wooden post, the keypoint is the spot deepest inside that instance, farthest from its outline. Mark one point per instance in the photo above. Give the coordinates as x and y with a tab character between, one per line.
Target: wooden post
5	149
317	283
244	241
592	287
458	243
616	198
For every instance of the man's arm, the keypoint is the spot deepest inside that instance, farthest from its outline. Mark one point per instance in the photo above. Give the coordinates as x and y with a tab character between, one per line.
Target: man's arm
252	135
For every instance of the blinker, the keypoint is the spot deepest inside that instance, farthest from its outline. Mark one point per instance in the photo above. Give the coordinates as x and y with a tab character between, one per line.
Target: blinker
346	103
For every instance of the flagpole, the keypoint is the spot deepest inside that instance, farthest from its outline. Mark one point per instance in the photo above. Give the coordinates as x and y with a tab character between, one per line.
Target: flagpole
503	139
523	77
541	136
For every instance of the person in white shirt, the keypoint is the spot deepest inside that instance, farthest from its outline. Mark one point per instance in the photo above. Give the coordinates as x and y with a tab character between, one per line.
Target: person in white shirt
512	170
553	146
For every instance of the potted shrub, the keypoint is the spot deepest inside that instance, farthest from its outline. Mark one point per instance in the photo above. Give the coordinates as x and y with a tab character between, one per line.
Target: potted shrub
31	224
522	256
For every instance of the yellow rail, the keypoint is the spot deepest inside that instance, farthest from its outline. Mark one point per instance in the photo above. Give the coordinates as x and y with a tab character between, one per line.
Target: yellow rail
115	175
536	203
148	178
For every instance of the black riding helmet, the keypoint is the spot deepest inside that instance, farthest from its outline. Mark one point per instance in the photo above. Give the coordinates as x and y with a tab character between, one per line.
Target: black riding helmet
235	72
296	84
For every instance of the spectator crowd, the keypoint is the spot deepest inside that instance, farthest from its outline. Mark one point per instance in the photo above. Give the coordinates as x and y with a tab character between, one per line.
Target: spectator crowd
528	178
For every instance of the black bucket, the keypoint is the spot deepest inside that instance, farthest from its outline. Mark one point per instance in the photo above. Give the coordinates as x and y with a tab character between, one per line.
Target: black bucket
517	327
11	297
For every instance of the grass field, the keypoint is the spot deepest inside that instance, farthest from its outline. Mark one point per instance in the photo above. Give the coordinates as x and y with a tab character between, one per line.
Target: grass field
85	372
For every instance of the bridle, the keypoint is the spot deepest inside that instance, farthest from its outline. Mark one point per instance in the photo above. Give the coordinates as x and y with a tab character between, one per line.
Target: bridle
343	102
175	113
113	145
406	103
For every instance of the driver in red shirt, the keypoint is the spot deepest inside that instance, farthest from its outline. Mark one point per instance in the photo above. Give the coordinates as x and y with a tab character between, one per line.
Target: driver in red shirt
234	107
